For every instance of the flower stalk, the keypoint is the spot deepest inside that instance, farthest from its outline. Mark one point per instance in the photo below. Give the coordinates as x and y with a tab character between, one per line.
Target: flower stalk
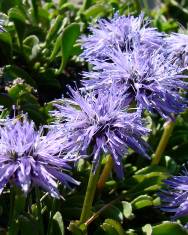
40	221
90	193
17	207
168	128
105	173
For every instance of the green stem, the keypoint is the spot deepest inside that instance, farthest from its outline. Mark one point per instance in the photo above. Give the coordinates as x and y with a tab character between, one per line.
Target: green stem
49	232
138	5
41	228
105	173
168	128
16	210
86	4
99	212
12	193
90	193
146	7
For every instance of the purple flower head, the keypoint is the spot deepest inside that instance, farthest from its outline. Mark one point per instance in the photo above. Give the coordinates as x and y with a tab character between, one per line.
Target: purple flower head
153	82
175	197
177	46
27	157
121	32
100	123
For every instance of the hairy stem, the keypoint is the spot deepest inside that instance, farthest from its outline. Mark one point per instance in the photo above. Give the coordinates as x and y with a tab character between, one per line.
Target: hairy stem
168	128
105	173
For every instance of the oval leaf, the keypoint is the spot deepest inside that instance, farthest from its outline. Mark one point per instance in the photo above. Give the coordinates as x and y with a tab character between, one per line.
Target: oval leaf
169	228
69	38
57	224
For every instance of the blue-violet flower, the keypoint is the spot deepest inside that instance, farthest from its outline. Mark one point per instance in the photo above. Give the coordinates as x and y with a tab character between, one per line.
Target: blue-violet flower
175	197
29	158
121	32
177	46
100	122
153	82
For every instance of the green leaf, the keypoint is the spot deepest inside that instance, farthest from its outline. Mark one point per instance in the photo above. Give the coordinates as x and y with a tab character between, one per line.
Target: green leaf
67	7
56	48
150	169
31	47
86	4
112	227
73	206
95	11
19	19
169	163
77	229
147	229
19	205
6	100
11	72
5	5
47	79
167	228
69	37
28	226
57	224
127	210
35	9
54	29
5	47
113	212
142	201
31	40
146	181
17	90
44	17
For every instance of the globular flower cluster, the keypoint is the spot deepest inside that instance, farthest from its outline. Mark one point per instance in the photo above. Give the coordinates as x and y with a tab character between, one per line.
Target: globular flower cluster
145	65
153	82
148	70
133	65
175	198
29	158
101	122
122	32
177	45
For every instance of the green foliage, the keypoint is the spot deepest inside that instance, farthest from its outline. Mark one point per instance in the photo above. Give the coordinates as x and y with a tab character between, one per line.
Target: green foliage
167	228
57	224
70	34
112	227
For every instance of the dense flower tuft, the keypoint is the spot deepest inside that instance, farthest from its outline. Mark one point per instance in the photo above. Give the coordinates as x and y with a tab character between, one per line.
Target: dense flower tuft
152	82
177	46
175	198
121	32
101	123
27	157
